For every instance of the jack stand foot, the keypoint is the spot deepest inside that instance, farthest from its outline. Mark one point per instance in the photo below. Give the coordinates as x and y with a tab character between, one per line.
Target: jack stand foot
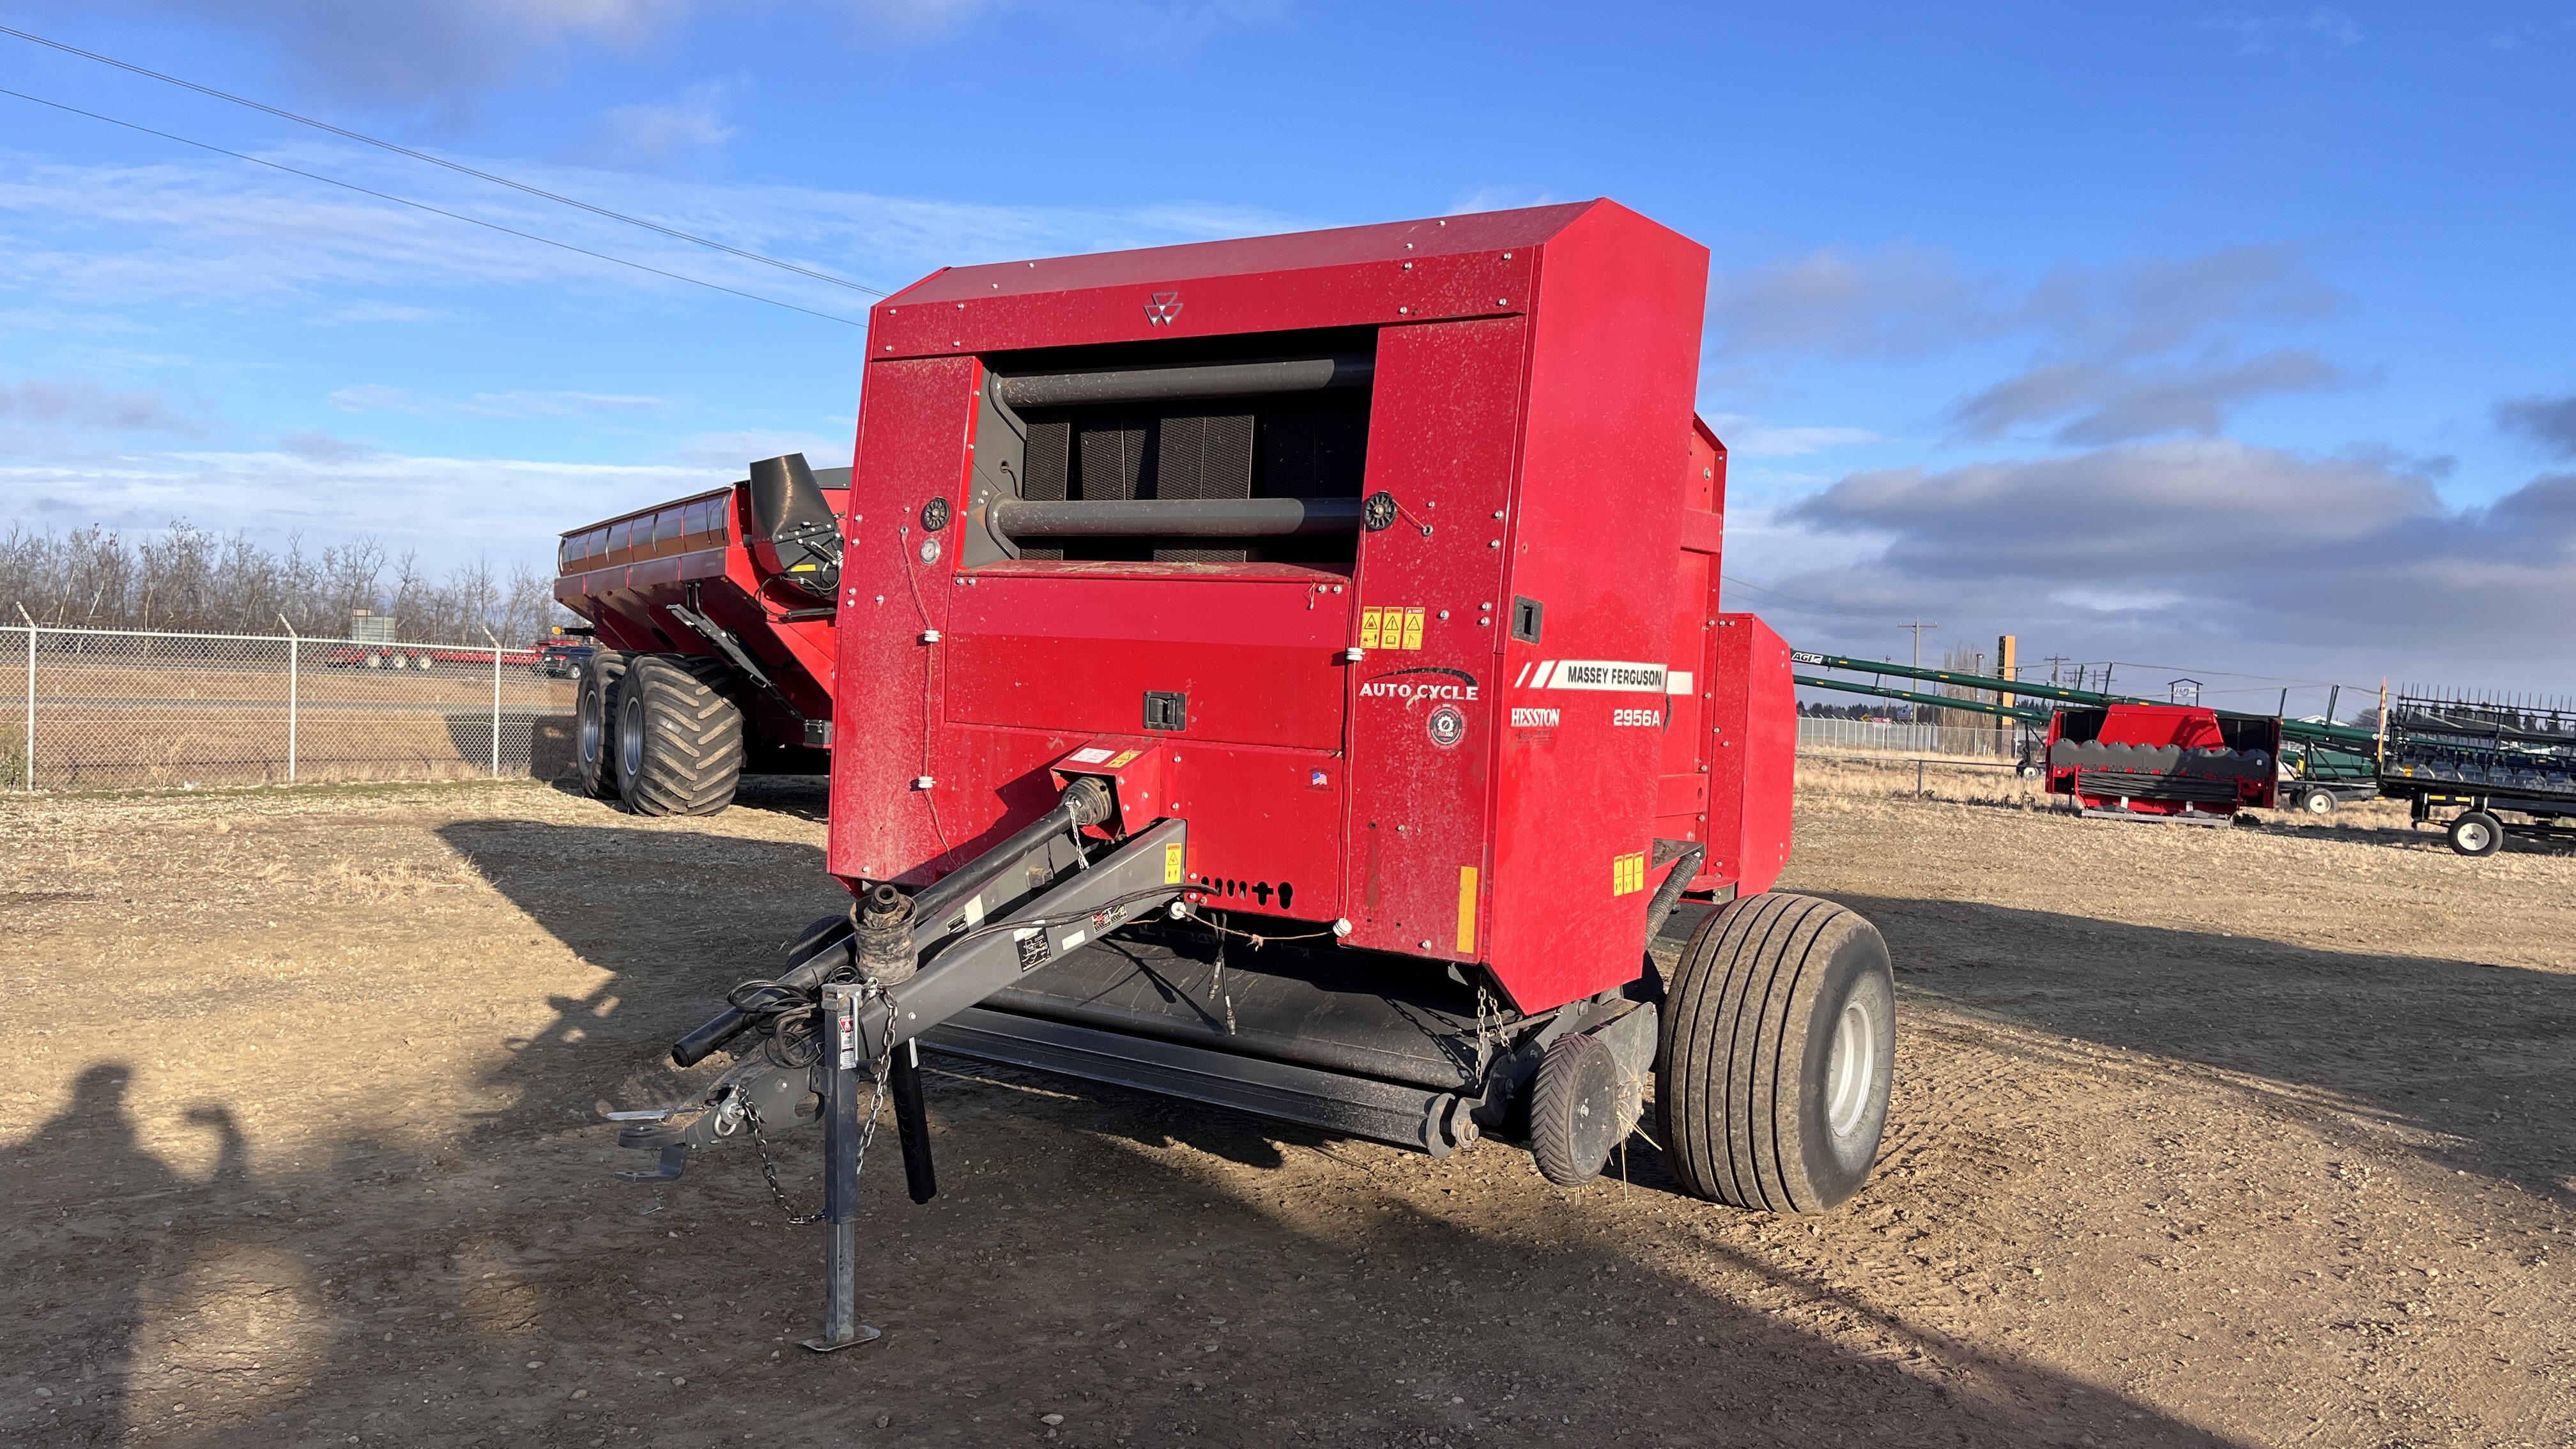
859	1335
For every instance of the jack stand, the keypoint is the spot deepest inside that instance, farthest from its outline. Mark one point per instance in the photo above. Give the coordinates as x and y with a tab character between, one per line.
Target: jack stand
841	1326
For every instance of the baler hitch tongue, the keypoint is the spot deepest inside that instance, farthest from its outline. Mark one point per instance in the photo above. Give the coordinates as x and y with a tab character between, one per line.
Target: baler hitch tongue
865	994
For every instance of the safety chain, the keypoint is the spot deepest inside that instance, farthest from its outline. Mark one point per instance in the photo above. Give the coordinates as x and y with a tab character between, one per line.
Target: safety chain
1485	1018
867	1134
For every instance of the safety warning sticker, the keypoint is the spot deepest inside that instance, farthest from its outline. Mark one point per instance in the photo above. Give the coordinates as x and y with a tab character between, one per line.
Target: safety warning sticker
1089	757
1391	628
1628	873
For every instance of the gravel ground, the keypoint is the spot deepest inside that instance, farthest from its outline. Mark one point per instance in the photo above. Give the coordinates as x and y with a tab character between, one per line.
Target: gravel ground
2256	1136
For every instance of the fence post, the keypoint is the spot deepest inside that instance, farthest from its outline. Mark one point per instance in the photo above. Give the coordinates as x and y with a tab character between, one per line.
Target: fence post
294	646
27	749
496	700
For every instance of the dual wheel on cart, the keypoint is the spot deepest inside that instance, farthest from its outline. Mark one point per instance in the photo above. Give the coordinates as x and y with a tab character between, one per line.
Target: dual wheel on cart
1771	1074
658	732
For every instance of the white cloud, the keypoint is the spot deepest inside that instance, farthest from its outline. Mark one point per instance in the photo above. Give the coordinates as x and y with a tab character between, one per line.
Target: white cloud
735	451
81	403
448	508
664	131
2208	549
376	397
107	238
1750	437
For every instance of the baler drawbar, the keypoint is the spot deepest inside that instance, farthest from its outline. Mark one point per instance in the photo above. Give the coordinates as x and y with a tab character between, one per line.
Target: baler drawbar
1287	674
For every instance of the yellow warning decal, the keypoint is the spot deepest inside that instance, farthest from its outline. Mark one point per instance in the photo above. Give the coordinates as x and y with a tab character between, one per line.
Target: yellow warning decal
1466	910
1172	863
1628	873
1391	628
1124	760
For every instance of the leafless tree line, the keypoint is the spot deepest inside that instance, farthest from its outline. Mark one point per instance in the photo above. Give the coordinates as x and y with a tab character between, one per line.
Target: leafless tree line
191	579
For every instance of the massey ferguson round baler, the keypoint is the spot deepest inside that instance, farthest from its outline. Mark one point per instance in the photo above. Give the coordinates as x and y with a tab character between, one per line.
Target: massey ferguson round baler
1288	674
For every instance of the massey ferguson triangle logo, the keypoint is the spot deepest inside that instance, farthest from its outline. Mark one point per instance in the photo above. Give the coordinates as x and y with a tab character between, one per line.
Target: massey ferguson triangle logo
1163	310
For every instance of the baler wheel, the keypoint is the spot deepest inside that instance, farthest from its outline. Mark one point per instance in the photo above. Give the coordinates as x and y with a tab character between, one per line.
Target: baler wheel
679	739
2476	833
1580	1110
595	723
1779	1035
2318	802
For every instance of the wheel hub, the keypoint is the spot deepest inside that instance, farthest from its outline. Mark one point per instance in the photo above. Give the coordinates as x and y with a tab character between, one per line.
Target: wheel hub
1851	1064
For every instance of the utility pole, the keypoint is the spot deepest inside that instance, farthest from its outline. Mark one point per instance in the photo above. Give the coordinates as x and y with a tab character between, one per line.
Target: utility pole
2007	666
2054	661
1918	626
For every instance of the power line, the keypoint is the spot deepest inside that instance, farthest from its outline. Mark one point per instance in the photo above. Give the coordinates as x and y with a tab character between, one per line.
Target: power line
1806	605
434	211
343	131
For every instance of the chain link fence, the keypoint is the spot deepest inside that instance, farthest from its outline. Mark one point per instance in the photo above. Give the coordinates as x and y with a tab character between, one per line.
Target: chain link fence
108	709
1967	741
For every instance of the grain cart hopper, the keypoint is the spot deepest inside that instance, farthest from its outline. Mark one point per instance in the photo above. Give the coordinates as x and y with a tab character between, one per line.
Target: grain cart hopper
713	616
1288	674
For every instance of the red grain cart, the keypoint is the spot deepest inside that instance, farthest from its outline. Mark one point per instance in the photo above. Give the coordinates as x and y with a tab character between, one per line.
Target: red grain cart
713	619
2164	762
1288	674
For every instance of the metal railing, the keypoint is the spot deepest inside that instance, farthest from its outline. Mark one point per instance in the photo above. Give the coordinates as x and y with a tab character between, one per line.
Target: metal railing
1966	741
117	709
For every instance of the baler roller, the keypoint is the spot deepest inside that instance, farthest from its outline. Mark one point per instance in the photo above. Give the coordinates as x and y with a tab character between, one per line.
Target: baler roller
1022	518
1161	384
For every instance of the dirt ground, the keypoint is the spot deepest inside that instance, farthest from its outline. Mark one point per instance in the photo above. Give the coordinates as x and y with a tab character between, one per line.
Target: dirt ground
2254	1136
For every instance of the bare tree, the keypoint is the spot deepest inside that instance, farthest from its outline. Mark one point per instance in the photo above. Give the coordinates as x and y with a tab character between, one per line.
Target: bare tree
189	579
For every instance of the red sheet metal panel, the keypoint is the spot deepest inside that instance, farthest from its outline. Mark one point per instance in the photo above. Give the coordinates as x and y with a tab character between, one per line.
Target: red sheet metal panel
1442	431
1594	532
1753	771
1253	653
1392	274
916	420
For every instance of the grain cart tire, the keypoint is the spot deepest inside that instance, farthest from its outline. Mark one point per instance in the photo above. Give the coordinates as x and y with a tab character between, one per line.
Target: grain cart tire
1580	1109
2318	802
595	723
679	740
2476	833
1779	1039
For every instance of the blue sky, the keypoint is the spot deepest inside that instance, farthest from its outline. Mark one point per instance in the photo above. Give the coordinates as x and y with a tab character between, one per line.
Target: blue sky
2227	338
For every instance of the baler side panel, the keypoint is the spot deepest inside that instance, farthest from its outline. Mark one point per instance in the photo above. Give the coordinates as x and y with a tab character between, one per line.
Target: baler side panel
919	416
1614	358
1682	803
1753	772
1254	658
1421	703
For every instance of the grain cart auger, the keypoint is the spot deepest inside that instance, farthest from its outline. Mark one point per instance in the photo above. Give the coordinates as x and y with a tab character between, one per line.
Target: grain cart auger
1288	674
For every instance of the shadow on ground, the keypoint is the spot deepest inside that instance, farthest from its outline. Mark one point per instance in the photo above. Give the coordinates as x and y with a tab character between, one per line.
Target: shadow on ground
1096	1253
2484	1055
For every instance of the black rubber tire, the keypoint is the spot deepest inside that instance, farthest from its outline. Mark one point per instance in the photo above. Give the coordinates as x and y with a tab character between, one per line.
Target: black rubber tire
1779	1042
594	723
2317	802
679	739
2475	833
1580	1111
